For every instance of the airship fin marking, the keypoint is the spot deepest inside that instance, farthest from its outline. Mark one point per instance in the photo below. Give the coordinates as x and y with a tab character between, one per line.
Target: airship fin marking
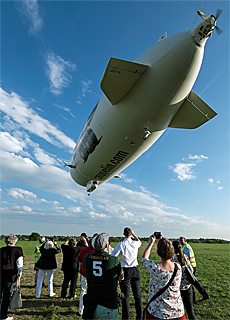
193	113
163	37
119	77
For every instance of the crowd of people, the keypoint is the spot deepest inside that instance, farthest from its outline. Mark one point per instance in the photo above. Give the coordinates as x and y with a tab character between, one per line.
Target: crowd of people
102	273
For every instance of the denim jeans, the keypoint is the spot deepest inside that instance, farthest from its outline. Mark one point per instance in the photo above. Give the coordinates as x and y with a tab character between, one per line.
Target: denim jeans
6	286
41	277
84	288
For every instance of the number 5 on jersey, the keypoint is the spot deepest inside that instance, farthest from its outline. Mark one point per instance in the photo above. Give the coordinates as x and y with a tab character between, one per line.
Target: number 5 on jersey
97	269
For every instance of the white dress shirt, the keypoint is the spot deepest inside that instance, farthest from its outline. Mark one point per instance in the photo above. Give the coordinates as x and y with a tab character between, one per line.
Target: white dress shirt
128	250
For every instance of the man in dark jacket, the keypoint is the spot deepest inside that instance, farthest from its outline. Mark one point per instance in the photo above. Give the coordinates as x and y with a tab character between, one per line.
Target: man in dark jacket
11	268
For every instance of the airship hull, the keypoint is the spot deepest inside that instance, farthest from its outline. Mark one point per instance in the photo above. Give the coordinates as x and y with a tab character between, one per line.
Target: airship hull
141	99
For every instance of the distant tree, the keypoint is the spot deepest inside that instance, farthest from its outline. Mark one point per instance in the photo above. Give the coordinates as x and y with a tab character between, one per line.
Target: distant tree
34	236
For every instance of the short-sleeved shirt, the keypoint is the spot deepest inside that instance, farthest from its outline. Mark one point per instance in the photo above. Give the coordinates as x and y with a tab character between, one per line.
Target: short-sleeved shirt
169	304
81	256
187	250
128	250
185	284
102	271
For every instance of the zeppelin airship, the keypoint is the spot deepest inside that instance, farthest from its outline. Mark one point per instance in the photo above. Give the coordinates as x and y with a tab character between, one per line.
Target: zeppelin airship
140	100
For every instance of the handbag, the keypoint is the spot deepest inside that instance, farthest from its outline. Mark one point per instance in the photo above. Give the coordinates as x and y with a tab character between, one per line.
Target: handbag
16	299
157	294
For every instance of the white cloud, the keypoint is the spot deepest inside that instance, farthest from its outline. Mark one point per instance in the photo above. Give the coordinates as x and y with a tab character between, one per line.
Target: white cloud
65	109
184	171
43	157
58	72
110	202
27	196
30	9
20	112
196	157
215	184
85	87
9	143
126	179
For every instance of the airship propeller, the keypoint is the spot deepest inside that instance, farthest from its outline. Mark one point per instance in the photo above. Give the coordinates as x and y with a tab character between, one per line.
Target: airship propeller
204	16
218	13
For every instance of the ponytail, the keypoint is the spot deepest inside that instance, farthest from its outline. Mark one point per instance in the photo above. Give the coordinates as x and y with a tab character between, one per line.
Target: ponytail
180	255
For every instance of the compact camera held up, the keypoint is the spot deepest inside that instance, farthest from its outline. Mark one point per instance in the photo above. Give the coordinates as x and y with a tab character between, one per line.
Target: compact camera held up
157	235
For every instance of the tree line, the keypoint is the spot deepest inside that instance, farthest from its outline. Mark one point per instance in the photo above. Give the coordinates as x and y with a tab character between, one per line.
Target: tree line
34	236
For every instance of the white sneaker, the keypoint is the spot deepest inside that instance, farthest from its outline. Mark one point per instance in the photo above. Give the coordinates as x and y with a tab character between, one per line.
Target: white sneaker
37	297
9	318
52	294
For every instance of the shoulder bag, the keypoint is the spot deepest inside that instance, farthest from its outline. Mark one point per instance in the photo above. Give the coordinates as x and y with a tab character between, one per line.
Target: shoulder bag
156	295
16	299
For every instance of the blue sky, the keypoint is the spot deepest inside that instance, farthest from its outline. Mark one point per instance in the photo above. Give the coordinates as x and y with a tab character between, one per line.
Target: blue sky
53	54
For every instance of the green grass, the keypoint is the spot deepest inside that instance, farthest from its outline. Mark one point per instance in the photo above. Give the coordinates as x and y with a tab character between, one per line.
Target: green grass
213	271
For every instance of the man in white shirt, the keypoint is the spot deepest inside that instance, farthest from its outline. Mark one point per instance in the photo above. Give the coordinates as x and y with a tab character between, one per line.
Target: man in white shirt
128	251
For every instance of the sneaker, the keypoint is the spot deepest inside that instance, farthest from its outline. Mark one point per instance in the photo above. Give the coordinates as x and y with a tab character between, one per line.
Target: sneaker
79	315
52	294
8	318
37	297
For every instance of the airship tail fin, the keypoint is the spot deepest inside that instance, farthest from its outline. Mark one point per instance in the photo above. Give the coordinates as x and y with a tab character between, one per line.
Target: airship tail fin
193	113
119	77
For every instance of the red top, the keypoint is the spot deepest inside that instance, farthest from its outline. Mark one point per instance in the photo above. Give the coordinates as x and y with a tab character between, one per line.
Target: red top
81	256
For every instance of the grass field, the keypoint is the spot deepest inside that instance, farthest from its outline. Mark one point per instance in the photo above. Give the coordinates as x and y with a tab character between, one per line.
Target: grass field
213	271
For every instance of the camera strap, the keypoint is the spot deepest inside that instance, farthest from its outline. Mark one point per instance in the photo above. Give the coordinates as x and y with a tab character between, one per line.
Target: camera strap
157	294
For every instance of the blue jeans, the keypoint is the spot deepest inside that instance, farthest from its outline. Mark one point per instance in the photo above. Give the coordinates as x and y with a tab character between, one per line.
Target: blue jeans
6	289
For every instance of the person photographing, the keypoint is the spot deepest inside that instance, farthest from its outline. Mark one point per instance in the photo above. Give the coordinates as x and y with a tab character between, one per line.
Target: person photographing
168	304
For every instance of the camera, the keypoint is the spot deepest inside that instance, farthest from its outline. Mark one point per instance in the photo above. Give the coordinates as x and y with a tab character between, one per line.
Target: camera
157	235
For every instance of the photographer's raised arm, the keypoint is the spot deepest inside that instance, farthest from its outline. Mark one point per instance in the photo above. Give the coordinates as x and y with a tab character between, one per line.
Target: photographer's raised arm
146	253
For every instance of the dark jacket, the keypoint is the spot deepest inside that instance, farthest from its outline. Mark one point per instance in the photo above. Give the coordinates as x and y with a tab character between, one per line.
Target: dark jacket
9	256
48	259
70	255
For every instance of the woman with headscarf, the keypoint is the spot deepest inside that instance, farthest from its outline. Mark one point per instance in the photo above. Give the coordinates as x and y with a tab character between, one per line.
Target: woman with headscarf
169	304
47	263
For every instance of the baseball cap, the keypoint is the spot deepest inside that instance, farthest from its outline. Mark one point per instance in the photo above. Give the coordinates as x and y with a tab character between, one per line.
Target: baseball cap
99	242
